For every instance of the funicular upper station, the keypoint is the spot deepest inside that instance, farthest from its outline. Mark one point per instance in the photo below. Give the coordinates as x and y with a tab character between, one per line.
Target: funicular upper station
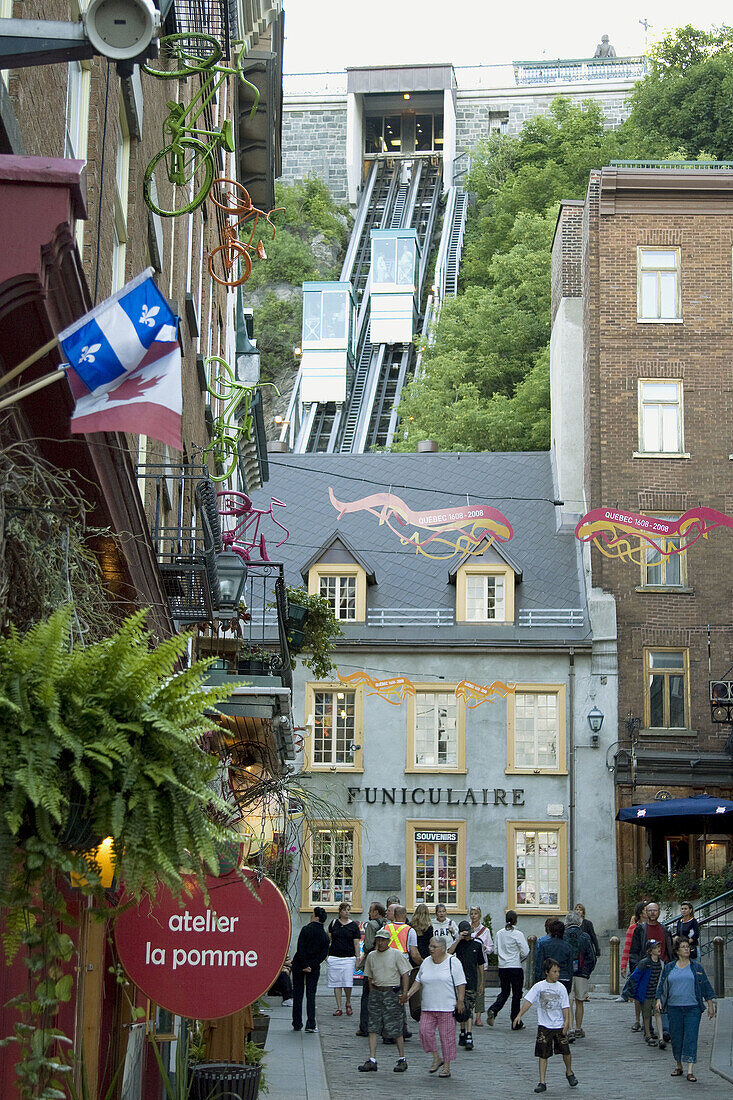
358	345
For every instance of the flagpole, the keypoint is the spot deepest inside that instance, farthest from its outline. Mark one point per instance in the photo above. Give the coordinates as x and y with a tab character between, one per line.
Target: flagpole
39	384
29	361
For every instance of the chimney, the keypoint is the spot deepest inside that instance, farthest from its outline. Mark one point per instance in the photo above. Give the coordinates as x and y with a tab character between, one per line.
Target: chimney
277	447
427	445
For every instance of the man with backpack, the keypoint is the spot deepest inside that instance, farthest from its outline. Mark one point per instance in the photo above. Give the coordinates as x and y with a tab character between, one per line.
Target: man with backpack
377	920
583	966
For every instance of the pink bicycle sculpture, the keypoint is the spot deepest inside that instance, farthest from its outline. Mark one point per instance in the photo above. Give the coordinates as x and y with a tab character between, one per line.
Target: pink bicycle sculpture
245	536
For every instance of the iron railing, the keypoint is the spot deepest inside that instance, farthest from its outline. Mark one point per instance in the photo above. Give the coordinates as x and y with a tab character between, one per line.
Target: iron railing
686	165
582	69
551	616
715	918
410	616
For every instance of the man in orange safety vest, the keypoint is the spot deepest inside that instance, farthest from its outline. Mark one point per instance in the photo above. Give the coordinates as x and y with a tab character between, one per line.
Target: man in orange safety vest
399	930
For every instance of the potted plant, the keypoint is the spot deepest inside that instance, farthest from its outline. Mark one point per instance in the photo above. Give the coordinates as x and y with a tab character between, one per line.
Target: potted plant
320	629
255	660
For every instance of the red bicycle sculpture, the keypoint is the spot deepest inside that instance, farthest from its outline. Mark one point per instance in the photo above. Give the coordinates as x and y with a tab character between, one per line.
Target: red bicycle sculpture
247	529
230	263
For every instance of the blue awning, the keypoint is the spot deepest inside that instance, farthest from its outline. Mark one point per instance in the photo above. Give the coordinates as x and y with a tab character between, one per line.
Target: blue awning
699	811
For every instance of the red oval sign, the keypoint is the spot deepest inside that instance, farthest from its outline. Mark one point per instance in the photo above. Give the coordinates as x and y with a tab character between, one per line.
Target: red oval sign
206	961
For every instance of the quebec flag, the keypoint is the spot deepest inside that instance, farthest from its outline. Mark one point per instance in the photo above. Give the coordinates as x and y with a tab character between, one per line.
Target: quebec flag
126	365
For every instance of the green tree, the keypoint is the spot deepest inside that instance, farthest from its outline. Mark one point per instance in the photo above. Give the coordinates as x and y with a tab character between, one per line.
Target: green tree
486	380
682	107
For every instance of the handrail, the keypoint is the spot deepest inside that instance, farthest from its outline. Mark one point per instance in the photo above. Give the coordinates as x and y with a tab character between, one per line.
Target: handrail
727	895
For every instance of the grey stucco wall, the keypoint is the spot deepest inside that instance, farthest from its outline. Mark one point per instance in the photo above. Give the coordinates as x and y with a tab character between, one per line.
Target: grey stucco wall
383	737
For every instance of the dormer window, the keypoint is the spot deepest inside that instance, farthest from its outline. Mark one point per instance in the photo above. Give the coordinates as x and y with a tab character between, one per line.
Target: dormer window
340	574
485	598
340	591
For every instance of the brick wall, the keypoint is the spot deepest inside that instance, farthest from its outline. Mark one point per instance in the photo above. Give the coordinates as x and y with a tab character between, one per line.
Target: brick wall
618	352
567	254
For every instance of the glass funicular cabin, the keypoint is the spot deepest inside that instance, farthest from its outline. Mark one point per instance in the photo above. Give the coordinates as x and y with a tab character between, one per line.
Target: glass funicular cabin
393	306
327	363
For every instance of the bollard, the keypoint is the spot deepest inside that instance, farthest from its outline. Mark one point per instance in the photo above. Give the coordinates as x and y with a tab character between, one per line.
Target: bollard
614	987
532	942
719	966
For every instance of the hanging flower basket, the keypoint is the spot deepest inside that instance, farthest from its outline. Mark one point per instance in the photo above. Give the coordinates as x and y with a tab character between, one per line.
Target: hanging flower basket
297	613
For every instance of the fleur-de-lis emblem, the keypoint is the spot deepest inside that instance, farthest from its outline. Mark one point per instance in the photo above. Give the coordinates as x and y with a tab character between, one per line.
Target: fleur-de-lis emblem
88	353
147	317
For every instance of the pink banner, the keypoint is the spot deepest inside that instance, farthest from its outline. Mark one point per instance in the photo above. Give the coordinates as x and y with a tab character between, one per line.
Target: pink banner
610	530
478	523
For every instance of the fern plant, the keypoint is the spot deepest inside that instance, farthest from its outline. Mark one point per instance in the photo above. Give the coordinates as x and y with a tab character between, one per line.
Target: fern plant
119	729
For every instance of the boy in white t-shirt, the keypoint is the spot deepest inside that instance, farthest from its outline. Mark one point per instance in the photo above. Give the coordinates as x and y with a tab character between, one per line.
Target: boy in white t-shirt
443	926
553	1021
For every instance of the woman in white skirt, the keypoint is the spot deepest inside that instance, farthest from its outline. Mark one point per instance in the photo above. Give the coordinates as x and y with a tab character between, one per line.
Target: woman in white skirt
342	955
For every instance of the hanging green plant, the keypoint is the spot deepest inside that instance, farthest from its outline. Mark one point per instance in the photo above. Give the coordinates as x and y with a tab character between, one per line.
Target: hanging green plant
107	741
316	632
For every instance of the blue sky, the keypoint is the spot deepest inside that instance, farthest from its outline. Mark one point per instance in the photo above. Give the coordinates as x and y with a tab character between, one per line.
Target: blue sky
329	35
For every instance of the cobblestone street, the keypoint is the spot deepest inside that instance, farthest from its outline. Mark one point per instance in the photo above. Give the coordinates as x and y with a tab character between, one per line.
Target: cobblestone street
612	1063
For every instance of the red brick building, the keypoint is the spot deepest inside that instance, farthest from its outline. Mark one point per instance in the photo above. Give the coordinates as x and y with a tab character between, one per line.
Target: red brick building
643	423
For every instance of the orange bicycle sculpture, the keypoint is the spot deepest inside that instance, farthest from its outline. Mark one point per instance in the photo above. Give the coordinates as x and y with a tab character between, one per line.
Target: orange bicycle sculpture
230	263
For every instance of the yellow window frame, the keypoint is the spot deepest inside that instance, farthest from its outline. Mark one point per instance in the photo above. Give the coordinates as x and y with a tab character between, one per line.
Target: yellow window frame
306	904
537	689
560	827
410	765
341	569
684	671
413	826
310	709
482	569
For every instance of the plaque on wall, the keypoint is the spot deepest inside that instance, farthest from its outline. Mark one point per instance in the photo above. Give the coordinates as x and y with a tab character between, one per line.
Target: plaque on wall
487	879
385	877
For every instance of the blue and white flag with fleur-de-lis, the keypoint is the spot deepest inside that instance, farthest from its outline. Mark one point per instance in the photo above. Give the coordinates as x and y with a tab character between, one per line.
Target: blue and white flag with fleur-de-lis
114	338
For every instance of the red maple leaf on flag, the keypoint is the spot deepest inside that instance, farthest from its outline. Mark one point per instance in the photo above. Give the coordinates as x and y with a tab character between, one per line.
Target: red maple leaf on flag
132	387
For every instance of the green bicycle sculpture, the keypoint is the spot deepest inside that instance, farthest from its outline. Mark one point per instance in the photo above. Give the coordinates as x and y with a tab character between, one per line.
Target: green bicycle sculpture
235	420
188	159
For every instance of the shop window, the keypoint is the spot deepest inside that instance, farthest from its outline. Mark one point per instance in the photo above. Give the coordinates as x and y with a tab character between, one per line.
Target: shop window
666	680
333	727
436	733
331	869
536	729
660	418
537	867
344	586
658	571
436	860
658	281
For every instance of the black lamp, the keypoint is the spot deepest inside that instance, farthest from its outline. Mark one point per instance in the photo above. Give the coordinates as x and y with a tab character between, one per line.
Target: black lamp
232	573
595	721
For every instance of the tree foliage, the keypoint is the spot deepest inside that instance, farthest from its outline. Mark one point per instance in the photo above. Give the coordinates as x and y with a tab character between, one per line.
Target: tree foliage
682	108
486	383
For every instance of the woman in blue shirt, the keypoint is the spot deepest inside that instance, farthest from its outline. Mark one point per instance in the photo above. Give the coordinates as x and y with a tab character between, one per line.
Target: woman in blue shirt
683	993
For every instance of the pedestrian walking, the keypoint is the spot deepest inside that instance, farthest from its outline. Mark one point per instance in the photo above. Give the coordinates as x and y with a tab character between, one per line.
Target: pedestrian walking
470	954
512	949
583	966
342	955
647	931
377	919
386	969
642	985
399	931
558	949
443	926
420	935
687	926
553	1022
684	993
587	927
442	984
479	931
639	915
312	949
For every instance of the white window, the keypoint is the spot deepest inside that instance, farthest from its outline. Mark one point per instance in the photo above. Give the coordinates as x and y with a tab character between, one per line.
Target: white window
341	594
659	284
331	866
436	730
536	730
537	868
660	417
485	598
436	870
333	731
660	571
122	182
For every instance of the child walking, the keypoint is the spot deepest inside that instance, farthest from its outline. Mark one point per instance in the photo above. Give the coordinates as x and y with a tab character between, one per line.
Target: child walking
642	985
553	1022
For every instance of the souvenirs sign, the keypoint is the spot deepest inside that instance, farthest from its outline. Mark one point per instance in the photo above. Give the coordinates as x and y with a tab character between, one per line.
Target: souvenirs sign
393	691
439	534
206	961
475	694
622	535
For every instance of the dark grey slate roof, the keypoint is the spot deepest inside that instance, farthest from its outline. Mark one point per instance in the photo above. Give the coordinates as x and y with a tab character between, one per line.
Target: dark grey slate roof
519	484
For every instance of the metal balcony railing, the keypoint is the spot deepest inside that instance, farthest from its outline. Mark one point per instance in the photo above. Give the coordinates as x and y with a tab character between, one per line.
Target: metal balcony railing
715	918
580	70
410	616
551	616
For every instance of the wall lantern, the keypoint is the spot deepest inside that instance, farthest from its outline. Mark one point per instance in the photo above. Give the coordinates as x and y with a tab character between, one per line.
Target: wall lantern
595	721
232	573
